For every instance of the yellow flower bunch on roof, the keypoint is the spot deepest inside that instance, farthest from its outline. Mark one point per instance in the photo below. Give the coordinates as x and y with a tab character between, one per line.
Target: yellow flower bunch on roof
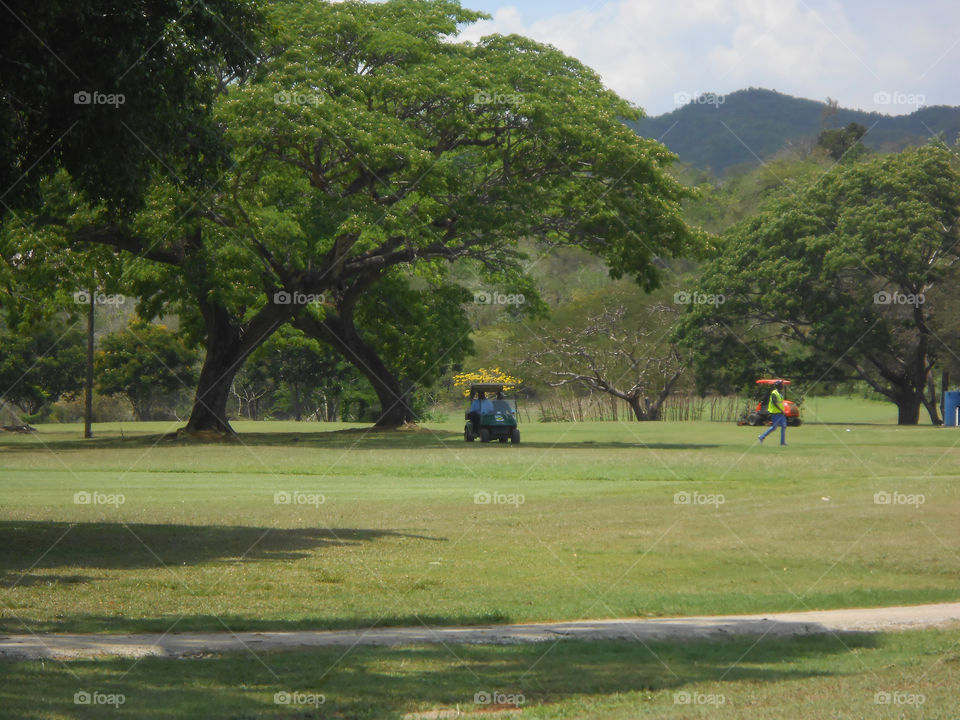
485	375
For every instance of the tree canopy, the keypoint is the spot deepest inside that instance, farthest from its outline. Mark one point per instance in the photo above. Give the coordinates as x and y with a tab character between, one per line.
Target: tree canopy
850	275
105	89
368	143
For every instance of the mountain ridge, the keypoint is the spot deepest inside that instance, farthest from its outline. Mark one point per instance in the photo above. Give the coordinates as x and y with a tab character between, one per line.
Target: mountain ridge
718	132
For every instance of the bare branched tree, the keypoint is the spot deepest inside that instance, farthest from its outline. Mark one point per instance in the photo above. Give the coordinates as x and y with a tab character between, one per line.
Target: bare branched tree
630	358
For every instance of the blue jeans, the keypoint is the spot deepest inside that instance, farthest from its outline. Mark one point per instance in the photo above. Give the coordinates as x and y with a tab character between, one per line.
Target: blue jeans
781	420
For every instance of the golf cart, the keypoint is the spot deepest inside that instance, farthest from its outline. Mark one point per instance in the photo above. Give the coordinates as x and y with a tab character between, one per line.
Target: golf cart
759	414
491	415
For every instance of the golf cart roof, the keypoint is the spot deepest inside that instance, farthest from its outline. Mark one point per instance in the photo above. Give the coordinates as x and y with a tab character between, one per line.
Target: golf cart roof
486	387
767	381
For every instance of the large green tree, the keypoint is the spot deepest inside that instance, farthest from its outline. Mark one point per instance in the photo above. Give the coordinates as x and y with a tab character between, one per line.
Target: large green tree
369	140
396	147
851	276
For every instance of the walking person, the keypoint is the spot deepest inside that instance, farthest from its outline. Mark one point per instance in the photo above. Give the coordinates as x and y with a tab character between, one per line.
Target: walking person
777	414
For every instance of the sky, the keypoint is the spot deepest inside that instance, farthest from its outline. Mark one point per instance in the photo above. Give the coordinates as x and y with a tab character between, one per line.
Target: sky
890	56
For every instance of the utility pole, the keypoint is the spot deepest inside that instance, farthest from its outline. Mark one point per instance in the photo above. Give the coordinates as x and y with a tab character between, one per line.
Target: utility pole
88	384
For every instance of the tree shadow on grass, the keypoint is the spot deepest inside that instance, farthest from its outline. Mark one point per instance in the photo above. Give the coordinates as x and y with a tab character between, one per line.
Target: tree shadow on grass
227	623
28	548
50	545
359	438
389	683
15	579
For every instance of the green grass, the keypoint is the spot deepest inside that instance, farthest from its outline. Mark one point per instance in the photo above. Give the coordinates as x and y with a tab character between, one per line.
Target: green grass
808	677
199	542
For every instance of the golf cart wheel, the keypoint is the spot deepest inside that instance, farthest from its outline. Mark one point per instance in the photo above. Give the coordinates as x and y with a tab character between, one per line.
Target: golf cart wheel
515	436
794	422
468	433
753	419
484	435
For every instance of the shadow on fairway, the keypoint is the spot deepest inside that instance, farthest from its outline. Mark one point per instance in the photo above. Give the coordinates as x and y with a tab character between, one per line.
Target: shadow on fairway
97	624
367	438
361	439
15	579
389	683
136	545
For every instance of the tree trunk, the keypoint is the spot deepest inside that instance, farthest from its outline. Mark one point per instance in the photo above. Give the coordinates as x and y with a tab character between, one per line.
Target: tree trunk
637	407
930	403
141	409
297	409
332	411
213	389
653	410
908	410
341	332
228	346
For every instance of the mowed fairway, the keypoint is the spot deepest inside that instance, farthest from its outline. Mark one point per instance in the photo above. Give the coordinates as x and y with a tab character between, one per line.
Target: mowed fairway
288	529
591	520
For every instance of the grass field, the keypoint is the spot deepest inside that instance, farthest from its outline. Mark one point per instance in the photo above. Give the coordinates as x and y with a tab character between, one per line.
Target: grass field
294	526
905	675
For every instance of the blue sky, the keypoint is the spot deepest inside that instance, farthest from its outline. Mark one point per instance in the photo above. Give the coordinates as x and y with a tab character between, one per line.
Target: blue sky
889	56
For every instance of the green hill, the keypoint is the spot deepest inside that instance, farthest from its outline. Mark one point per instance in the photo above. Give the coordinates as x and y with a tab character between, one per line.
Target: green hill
750	125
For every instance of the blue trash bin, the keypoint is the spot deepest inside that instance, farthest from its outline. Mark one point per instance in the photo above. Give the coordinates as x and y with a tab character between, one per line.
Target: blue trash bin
951	403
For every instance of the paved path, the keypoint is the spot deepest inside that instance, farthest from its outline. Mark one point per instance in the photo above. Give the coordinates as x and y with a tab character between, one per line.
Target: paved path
29	647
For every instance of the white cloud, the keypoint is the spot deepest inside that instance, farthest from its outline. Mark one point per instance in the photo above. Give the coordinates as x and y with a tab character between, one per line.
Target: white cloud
649	50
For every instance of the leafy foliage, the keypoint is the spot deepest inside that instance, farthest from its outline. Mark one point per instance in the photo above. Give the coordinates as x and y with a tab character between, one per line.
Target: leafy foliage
848	274
839	142
368	145
42	366
149	365
104	89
